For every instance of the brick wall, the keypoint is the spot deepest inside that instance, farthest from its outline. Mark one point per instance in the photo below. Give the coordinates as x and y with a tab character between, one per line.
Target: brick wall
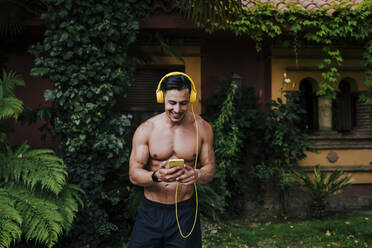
363	119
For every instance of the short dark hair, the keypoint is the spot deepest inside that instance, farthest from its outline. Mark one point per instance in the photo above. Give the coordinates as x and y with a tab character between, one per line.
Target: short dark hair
176	82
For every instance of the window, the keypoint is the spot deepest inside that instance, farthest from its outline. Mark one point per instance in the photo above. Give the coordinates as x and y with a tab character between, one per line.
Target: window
141	98
308	101
342	123
343	108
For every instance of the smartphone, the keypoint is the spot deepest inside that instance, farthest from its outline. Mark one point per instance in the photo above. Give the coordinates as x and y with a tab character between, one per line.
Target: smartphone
176	162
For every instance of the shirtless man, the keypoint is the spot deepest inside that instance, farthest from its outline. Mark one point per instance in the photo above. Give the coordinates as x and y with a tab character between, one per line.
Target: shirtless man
170	135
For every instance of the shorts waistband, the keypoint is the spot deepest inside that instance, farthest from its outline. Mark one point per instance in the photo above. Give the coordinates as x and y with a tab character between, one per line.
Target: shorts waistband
186	203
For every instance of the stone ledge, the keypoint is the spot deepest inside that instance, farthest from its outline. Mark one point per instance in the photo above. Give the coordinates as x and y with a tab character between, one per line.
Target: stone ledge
339	141
345	168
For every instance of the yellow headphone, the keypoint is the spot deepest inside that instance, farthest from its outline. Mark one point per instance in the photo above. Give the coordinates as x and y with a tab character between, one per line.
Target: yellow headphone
160	93
160	99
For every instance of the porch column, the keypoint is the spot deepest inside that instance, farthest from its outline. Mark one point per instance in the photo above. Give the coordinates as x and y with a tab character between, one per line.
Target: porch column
325	113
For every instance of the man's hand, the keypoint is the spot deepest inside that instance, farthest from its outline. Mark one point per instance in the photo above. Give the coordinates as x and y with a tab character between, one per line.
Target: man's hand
189	176
168	175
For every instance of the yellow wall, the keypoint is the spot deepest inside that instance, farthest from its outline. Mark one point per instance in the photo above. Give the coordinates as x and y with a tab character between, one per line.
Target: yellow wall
191	61
355	157
284	58
351	157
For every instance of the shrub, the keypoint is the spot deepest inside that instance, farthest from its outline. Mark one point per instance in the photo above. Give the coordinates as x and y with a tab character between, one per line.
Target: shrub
255	150
321	187
233	123
280	145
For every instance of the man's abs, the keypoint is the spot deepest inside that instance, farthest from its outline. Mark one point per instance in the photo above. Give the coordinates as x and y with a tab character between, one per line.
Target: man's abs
164	192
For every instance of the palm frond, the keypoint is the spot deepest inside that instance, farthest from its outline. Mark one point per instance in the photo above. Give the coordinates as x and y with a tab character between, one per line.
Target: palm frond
34	167
217	11
319	178
167	48
13	13
10	221
334	176
337	184
321	186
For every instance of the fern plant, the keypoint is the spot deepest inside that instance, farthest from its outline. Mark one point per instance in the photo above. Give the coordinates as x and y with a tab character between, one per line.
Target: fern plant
35	200
321	187
10	106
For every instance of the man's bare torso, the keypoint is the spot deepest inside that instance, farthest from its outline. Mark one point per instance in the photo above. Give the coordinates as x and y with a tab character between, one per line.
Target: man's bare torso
166	142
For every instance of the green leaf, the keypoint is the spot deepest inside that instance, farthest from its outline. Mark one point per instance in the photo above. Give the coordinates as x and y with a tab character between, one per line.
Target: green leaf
64	36
49	95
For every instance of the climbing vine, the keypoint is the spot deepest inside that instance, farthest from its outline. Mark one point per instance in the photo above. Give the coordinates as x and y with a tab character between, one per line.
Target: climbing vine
85	55
349	24
235	115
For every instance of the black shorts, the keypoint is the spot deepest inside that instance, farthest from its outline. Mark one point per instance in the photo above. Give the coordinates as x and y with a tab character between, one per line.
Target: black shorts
156	225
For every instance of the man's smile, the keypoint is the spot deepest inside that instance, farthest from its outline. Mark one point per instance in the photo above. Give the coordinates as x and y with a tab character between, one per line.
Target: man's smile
176	115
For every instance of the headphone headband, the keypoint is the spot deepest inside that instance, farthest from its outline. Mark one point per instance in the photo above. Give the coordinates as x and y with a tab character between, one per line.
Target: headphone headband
160	93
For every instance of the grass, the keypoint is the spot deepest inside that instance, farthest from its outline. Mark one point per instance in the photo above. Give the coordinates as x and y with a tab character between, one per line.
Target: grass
340	230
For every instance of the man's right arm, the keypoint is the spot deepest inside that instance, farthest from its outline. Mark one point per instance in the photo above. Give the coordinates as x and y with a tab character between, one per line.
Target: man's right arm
139	157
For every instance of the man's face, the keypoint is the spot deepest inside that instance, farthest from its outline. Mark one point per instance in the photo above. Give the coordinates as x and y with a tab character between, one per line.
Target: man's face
176	103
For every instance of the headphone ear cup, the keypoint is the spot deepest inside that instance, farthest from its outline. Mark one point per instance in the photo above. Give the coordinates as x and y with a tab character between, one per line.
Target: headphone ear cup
159	96
193	96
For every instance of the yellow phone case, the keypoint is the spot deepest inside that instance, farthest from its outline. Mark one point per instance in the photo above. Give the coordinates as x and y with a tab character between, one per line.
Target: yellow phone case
176	162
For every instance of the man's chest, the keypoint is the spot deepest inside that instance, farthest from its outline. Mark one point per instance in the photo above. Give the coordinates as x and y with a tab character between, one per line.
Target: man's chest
174	143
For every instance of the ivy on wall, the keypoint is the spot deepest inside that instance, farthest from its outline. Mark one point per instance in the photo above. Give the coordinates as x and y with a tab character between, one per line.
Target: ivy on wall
347	26
85	55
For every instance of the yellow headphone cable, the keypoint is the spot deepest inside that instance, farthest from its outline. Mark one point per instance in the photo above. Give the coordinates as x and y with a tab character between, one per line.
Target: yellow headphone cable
196	189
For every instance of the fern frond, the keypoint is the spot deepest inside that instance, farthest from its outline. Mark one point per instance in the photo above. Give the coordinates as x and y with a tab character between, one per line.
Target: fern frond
68	202
42	220
10	221
41	216
52	169
20	150
8	81
10	107
34	167
76	193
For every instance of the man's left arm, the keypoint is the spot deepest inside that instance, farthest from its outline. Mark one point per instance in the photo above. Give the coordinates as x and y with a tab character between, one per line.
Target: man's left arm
206	159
